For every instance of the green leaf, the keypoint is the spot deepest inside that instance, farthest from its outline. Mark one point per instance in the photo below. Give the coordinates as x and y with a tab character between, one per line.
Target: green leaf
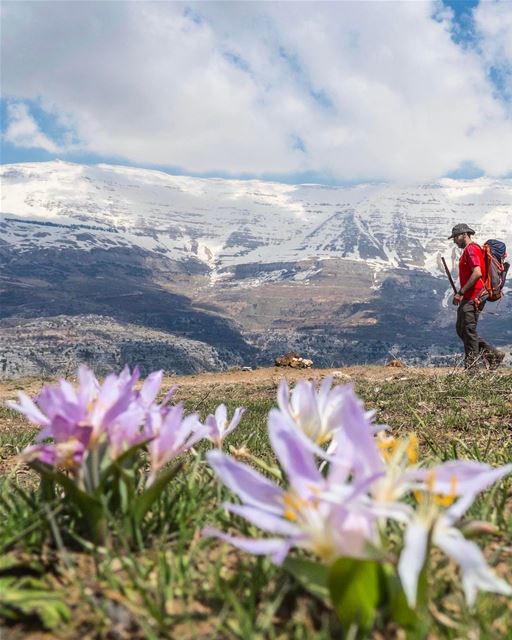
414	621
399	609
116	465
355	589
11	565
47	488
311	575
90	507
143	502
27	596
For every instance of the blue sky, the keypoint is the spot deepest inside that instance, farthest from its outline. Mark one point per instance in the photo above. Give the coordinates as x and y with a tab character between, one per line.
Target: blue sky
463	29
335	93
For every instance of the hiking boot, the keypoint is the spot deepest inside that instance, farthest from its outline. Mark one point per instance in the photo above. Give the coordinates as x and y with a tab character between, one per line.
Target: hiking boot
473	361
495	359
472	371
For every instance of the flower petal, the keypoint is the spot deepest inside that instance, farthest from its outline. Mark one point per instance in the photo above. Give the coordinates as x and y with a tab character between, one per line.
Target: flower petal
275	547
305	409
476	573
221	415
169	395
412	560
283	397
472	488
150	388
356	443
29	409
88	385
296	460
237	416
249	485
121	401
463	470
263	519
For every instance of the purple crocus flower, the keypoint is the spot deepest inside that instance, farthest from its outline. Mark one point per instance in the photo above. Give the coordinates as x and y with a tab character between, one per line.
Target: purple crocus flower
314	512
172	434
127	430
360	454
58	407
90	405
354	445
218	427
131	427
147	395
112	411
315	413
437	514
115	396
64	455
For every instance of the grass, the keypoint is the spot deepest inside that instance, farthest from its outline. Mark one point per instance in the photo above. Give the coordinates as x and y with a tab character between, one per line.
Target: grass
179	584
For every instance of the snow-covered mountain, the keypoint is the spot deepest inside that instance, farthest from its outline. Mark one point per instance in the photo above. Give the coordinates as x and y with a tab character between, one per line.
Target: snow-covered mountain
249	268
231	222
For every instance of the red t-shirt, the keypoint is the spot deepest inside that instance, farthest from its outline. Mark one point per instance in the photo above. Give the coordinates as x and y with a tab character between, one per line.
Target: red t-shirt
471	257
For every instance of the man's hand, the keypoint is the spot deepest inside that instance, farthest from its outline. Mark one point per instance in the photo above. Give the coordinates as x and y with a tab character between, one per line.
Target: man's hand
456	299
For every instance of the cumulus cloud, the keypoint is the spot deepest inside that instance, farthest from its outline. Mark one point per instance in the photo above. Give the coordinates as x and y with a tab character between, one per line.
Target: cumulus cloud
493	21
348	90
23	131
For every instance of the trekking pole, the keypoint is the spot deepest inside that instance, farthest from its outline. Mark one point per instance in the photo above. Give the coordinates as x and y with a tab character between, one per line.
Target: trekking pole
449	275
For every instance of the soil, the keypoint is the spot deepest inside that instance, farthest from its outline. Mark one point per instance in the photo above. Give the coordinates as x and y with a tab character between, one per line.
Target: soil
257	377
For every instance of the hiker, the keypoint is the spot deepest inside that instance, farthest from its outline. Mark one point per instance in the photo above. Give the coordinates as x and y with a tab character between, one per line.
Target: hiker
471	277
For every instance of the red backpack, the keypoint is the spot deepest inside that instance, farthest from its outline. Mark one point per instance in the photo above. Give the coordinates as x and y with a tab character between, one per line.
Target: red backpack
496	270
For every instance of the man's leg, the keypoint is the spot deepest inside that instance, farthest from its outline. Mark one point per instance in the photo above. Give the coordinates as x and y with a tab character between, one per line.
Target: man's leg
490	355
459	328
468	322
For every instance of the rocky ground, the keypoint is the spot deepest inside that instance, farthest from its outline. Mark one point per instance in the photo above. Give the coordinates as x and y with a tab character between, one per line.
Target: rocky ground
261	379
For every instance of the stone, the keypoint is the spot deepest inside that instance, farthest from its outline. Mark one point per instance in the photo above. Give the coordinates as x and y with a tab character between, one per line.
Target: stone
292	359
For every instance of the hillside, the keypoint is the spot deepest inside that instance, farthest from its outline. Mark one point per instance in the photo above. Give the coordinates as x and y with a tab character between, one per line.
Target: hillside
243	269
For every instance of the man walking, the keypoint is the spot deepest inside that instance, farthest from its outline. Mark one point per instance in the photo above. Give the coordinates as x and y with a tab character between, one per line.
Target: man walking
471	277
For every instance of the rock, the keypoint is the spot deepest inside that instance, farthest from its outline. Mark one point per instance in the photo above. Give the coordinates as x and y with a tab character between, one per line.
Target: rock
395	363
246	368
339	375
292	359
284	361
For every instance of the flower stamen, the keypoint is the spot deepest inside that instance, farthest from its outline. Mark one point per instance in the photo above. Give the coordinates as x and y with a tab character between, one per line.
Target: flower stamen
412	449
388	447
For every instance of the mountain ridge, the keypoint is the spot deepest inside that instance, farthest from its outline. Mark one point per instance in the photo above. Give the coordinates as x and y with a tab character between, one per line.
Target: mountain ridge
258	267
225	222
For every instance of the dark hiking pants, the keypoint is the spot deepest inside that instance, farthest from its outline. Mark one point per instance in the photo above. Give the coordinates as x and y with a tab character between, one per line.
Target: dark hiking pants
475	348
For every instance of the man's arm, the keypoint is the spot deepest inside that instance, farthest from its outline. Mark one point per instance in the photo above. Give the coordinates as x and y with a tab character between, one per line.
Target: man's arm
475	276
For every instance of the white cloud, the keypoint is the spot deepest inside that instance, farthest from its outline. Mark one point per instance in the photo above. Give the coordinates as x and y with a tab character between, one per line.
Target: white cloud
494	24
23	131
355	90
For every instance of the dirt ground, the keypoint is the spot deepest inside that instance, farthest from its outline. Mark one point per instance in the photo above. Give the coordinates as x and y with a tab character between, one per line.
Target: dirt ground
260	377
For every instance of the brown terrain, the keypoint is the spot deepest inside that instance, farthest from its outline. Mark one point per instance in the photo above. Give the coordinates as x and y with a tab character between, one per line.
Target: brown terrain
259	378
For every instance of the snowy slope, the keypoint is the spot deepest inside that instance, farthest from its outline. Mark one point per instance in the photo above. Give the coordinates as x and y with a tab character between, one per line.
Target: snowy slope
230	222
